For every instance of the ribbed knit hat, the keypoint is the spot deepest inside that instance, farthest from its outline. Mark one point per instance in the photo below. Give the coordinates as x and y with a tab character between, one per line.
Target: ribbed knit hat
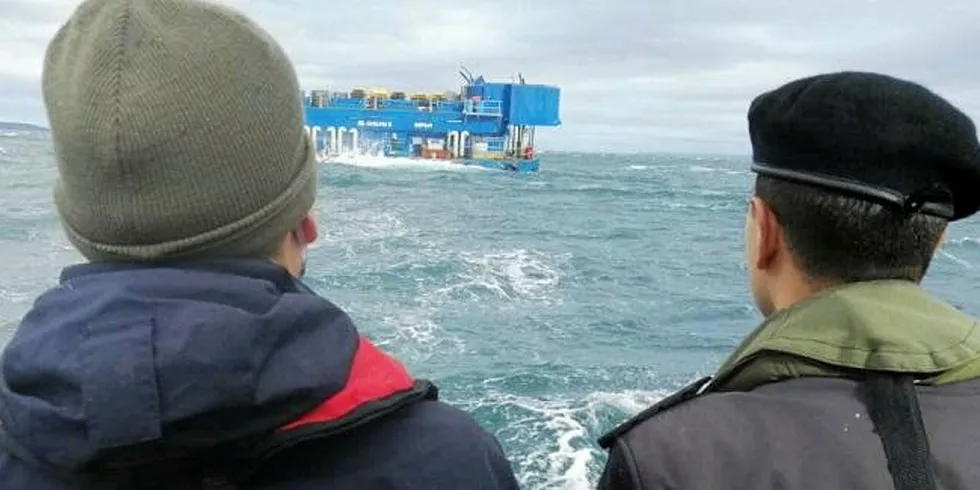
178	129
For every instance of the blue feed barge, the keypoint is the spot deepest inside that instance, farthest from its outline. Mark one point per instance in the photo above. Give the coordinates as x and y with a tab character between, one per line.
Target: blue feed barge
486	124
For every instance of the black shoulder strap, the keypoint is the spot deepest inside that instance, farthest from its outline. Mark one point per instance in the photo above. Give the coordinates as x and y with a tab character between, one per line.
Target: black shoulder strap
894	410
686	393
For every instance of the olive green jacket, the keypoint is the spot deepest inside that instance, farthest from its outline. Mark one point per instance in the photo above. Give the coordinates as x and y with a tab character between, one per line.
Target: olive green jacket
783	411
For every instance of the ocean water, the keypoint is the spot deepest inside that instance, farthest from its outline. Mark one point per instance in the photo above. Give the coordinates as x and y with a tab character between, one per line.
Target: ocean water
552	306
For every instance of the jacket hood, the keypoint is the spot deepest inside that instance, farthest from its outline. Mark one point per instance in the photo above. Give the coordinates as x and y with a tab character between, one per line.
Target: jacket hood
189	356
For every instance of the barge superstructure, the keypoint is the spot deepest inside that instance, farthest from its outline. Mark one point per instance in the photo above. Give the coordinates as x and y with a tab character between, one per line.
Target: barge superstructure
489	124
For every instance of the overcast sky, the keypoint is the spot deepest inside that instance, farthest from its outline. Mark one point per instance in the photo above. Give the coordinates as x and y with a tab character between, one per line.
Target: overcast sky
664	75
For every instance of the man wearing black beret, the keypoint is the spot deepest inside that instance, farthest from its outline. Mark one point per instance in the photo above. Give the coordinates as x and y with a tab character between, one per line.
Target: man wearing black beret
858	378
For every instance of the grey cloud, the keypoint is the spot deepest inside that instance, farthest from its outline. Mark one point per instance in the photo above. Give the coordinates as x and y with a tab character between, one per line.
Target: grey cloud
34	11
19	101
680	71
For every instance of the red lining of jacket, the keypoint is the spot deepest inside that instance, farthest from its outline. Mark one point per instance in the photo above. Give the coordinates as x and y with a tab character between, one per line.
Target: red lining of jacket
373	376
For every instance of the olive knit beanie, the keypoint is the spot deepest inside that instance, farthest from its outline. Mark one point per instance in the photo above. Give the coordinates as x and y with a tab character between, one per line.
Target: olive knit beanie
178	130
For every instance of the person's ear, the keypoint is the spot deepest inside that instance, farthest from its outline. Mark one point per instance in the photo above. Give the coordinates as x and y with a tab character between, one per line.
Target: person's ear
766	233
307	233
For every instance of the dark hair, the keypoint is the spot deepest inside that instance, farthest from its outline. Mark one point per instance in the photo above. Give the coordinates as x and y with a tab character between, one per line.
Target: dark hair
842	239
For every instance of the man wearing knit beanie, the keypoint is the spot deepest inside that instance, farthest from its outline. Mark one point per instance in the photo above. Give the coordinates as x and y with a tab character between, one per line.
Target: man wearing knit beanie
187	353
858	378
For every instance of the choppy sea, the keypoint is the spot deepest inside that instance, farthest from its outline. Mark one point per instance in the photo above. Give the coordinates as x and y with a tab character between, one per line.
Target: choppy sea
552	306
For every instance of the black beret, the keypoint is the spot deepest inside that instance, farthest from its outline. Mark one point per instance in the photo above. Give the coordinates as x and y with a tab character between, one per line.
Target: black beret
869	136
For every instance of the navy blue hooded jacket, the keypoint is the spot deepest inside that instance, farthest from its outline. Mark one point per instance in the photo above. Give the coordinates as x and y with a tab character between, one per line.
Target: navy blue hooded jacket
136	376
